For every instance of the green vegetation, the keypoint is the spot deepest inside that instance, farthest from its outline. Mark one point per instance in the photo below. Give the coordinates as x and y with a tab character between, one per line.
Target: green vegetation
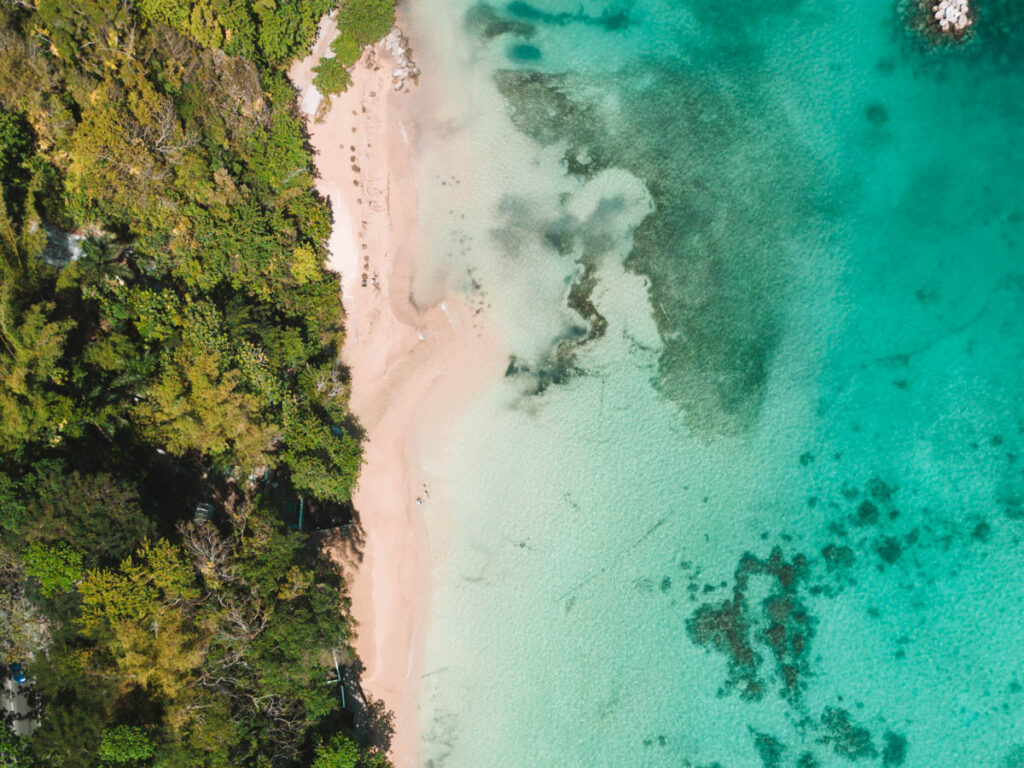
346	48
360	23
271	32
366	20
168	335
332	75
342	752
125	744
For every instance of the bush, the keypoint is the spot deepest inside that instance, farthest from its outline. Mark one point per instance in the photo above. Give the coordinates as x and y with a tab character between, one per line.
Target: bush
342	752
346	48
331	76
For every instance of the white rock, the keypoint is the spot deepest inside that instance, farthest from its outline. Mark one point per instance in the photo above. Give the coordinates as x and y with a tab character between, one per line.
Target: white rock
405	68
952	15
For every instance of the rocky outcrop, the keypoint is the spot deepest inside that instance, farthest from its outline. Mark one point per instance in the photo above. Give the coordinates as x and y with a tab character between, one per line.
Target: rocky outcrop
405	70
952	17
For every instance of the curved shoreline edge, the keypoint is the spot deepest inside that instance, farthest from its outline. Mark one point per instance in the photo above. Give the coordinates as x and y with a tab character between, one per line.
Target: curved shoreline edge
411	368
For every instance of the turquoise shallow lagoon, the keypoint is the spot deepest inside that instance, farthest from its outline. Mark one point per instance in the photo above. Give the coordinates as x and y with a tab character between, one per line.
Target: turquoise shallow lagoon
751	492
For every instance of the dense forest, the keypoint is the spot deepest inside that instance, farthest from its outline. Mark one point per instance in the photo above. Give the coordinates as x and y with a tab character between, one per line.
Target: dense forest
171	391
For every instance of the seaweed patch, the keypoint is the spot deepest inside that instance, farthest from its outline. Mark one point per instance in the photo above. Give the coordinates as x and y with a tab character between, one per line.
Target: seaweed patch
747	632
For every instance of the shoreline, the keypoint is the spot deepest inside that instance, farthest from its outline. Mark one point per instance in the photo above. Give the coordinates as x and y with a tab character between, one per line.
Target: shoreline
411	368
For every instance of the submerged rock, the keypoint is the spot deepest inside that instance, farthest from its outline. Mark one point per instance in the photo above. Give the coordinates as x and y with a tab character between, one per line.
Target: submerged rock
747	632
847	739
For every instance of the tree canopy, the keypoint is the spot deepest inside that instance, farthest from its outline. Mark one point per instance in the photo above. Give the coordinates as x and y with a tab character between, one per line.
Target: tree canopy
168	335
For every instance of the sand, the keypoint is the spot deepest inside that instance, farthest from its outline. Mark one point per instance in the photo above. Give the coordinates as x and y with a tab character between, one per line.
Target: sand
411	367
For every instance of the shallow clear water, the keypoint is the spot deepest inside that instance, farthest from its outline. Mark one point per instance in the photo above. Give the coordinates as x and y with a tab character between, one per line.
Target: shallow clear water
752	491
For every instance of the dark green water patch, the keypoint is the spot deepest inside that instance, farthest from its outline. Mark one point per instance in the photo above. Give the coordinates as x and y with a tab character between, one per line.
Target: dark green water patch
838	557
981	532
610	19
867	514
737	13
817	741
484	22
769	749
1010	500
998	31
766	626
729	199
877	114
894	751
588	240
889	549
557	368
746	633
542	108
524	53
580	293
731	203
880	490
875	523
846	738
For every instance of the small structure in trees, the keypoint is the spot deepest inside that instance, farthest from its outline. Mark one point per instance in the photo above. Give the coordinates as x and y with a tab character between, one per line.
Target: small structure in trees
203	512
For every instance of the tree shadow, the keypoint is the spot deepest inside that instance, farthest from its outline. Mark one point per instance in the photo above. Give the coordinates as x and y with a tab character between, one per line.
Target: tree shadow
371	721
380	725
344	545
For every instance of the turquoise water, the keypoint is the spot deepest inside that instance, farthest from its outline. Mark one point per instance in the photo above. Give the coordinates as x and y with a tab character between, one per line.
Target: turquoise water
751	492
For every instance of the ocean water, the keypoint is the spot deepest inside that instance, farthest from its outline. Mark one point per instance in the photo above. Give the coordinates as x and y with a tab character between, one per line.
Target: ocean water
751	492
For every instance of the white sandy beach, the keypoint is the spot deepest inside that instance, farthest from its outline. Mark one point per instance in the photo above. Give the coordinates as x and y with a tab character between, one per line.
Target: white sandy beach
410	367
